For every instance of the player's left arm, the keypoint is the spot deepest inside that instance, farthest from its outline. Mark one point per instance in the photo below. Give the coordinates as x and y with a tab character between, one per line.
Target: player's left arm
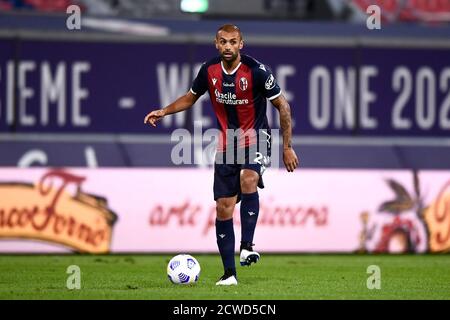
289	157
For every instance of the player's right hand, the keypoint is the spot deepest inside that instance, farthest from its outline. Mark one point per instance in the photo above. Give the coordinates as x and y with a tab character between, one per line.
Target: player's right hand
154	116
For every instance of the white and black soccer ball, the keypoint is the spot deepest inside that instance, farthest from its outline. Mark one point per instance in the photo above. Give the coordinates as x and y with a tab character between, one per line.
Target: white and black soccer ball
183	269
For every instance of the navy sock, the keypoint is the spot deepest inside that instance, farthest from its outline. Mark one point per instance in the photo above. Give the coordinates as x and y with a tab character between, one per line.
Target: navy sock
249	217
225	242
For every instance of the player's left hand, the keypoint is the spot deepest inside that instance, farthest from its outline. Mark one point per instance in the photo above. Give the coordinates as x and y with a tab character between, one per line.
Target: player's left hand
290	159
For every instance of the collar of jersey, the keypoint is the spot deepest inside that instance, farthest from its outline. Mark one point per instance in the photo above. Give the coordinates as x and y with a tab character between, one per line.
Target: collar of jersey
232	72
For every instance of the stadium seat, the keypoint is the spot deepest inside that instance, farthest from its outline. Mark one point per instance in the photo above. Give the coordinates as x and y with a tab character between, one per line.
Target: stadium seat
50	5
14	4
4	5
410	10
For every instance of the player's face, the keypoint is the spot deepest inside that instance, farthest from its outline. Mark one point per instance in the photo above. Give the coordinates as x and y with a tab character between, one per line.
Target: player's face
229	44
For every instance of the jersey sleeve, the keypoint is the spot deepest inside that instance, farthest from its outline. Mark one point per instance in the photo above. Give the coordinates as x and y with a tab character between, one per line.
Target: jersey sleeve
200	83
267	82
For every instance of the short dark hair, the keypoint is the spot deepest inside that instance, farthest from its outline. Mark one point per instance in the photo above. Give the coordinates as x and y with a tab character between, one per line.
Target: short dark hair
229	28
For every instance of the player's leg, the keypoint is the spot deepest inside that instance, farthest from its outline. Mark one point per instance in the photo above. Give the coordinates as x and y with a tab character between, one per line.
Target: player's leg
249	215
226	194
225	238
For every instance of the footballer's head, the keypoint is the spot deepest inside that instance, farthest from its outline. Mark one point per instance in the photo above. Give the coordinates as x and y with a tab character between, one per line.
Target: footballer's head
229	42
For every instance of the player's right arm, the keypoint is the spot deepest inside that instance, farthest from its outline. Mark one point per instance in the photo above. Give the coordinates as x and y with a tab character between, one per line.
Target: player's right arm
181	104
199	87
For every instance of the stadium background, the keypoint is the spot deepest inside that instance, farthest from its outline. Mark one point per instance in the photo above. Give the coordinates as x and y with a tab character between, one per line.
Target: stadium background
80	172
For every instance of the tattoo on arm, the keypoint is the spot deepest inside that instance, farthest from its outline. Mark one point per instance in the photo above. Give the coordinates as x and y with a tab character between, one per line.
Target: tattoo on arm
285	123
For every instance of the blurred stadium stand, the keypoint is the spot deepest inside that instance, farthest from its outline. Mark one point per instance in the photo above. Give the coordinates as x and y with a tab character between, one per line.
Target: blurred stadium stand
38	5
343	10
152	26
434	11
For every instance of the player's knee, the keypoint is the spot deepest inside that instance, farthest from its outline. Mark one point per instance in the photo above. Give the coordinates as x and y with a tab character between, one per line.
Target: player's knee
249	183
224	209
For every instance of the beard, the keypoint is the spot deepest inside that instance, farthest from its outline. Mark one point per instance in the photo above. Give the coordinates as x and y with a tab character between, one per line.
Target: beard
229	59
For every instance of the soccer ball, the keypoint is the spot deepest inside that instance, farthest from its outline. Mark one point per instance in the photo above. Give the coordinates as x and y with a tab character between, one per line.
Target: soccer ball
183	269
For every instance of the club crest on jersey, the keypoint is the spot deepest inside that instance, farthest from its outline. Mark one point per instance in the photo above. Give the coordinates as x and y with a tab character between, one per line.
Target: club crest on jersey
270	82
243	84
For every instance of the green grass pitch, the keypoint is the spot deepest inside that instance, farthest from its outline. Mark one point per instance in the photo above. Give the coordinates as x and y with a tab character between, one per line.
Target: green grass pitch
278	277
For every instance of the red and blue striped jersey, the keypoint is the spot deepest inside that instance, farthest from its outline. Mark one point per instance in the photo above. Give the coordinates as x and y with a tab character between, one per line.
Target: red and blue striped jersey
238	97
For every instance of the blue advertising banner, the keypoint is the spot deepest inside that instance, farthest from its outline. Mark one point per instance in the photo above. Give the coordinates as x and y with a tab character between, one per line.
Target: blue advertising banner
87	87
6	83
409	91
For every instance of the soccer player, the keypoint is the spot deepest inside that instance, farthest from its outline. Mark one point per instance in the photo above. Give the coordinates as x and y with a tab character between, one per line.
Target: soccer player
238	86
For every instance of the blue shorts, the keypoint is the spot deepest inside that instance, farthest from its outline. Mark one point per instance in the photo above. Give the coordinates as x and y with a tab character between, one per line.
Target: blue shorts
227	174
